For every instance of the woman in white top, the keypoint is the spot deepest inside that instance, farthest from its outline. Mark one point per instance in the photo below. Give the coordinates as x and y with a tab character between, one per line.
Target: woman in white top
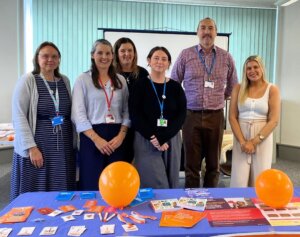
100	113
254	113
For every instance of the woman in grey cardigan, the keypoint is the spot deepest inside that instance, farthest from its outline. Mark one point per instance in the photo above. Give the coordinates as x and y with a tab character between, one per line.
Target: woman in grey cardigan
43	158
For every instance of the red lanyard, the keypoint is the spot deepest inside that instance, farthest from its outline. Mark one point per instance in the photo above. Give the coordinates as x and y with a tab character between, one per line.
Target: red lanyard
108	101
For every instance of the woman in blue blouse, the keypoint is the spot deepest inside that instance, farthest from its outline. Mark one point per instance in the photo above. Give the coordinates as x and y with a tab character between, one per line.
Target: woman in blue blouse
100	113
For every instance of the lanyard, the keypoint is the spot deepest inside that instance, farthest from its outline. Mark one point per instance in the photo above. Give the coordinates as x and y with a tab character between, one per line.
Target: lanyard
108	101
161	104
54	99
208	71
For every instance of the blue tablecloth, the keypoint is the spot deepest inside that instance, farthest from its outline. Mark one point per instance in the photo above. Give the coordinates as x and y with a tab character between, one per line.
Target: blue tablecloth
151	228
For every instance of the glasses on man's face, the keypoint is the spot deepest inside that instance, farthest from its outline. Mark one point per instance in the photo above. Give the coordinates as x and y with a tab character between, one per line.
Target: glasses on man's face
47	57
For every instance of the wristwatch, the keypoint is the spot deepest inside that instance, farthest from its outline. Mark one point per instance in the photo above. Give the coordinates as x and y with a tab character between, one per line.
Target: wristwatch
261	137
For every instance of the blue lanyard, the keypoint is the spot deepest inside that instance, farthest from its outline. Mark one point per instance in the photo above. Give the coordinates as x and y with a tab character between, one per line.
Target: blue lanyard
208	71
54	99
161	104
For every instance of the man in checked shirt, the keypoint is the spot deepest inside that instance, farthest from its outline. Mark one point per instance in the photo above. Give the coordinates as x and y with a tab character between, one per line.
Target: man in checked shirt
208	75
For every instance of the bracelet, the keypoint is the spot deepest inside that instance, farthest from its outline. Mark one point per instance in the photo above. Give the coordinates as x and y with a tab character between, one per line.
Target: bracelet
125	131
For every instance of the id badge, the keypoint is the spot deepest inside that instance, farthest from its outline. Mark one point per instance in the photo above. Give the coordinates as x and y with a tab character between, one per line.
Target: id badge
57	120
209	84
161	122
109	118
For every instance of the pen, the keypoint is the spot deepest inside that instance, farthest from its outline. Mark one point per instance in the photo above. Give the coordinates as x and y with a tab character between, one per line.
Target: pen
105	216
112	215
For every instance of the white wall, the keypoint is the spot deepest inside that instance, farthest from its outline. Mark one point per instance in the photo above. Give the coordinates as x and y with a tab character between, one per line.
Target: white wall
288	73
9	51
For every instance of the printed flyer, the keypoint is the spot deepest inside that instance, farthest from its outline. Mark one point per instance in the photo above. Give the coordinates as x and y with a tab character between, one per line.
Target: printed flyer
229	212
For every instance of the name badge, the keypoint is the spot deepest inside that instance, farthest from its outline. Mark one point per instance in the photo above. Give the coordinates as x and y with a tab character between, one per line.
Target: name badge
57	120
109	118
161	122
209	84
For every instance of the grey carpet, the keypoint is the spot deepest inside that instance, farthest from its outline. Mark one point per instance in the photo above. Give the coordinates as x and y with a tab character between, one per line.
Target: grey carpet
4	190
291	168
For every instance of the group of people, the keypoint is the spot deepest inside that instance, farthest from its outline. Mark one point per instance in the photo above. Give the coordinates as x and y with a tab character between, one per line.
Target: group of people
122	112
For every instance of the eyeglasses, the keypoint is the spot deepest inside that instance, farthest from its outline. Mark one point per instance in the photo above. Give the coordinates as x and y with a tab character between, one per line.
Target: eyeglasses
47	57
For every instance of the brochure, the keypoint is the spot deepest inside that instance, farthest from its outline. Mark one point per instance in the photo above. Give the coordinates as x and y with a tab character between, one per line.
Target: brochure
87	195
165	205
197	204
16	214
65	196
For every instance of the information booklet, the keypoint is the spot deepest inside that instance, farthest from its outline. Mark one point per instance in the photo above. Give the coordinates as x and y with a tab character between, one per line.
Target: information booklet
197	204
87	195
16	214
165	205
181	218
65	196
144	195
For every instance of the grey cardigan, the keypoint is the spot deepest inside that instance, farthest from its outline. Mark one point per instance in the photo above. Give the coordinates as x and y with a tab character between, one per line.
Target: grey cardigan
24	112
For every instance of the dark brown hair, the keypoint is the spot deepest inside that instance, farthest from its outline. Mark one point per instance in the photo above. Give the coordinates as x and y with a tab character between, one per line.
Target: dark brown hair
36	66
111	70
117	45
157	48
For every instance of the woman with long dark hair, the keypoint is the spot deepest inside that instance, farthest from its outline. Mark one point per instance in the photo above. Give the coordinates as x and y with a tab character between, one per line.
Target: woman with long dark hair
100	113
125	62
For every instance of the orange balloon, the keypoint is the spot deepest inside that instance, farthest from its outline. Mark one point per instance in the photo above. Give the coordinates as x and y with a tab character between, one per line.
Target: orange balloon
119	184
274	188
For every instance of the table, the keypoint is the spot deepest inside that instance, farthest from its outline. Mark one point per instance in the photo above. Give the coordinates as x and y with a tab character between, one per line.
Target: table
151	228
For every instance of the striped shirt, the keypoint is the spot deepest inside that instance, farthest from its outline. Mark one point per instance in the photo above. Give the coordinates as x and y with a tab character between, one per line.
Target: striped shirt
189	70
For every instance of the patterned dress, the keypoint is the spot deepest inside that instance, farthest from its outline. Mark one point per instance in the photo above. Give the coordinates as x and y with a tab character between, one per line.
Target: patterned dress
58	171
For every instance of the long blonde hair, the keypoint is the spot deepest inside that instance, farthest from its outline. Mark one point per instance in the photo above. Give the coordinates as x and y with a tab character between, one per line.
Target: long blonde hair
243	93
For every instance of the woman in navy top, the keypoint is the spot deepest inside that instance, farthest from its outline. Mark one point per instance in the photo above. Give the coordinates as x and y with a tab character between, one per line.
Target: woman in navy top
125	62
158	109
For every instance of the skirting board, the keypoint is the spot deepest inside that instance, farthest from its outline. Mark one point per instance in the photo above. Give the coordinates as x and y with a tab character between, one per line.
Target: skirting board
288	152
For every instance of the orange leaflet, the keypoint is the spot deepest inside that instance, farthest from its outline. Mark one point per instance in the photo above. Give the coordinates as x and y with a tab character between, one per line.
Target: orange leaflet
67	208
90	203
97	209
181	218
17	214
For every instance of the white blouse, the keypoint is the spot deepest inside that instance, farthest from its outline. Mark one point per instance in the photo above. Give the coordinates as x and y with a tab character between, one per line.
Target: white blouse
89	104
255	108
